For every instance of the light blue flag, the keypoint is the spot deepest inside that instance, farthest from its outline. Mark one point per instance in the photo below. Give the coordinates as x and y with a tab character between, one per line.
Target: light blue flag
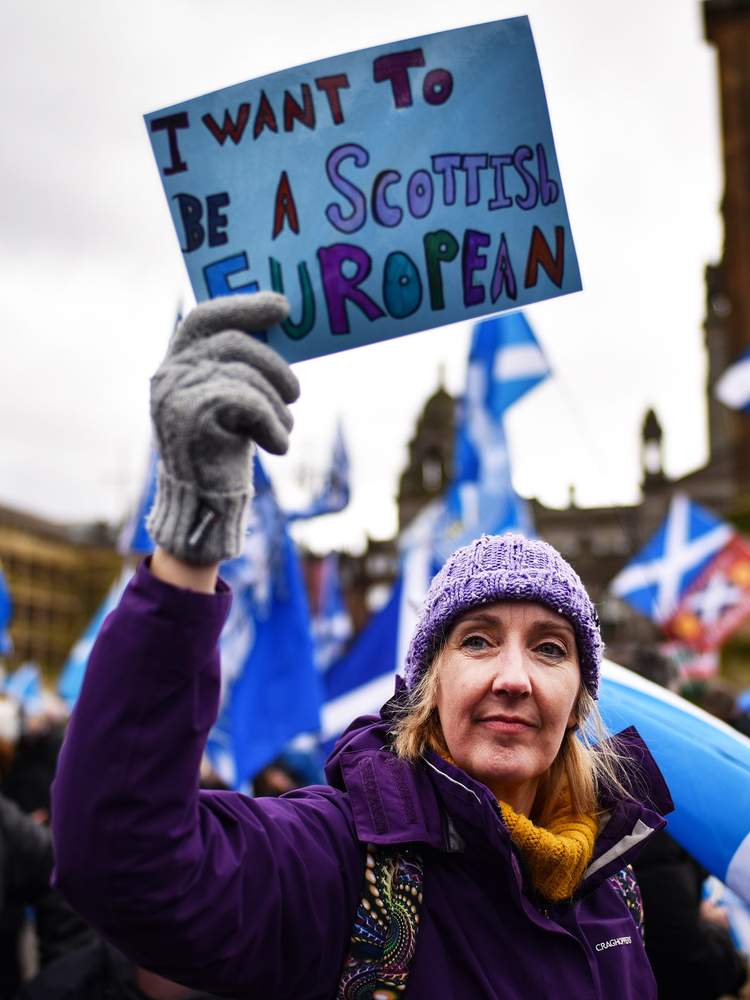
6	613
335	492
705	763
331	621
688	538
271	688
733	388
74	668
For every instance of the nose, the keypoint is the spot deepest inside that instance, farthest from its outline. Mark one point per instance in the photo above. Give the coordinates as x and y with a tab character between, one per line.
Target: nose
511	676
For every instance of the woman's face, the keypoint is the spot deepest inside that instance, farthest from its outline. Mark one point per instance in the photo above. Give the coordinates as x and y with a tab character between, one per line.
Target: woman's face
508	679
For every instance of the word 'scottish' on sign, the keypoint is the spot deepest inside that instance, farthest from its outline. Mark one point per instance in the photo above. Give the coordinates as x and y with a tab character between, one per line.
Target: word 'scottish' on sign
385	191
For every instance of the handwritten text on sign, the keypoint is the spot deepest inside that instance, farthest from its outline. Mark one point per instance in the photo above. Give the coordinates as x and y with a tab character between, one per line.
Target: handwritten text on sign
385	191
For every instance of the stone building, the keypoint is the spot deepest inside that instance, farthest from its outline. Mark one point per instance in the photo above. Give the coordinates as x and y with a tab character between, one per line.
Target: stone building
57	576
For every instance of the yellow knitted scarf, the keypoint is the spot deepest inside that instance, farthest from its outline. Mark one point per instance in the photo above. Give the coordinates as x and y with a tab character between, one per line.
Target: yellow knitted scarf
558	855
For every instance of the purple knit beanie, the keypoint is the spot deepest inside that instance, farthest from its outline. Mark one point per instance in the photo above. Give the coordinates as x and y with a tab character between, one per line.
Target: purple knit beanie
501	568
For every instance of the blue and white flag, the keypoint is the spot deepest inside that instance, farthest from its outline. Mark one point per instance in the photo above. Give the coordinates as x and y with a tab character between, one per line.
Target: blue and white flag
270	685
518	361
706	765
134	538
364	678
733	388
654	581
505	362
331	622
335	492
74	668
6	613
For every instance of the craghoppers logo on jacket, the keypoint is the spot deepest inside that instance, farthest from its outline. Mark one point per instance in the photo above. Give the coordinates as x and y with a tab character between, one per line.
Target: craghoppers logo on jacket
614	943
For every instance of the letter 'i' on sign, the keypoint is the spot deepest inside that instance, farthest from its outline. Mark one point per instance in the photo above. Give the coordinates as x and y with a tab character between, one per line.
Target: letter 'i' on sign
382	191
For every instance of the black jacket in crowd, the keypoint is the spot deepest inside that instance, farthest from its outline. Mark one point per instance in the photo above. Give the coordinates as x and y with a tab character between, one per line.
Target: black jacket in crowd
690	957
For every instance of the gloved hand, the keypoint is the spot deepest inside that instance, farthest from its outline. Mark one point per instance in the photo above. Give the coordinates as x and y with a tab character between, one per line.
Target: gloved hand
217	391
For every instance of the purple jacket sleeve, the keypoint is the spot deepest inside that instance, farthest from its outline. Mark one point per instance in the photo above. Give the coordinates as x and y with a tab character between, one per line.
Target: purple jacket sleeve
219	891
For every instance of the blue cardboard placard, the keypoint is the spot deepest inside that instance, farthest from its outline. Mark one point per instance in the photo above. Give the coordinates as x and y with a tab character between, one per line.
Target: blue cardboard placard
385	191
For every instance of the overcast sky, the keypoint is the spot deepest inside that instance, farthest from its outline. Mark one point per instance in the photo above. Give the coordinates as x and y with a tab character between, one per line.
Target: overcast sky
92	272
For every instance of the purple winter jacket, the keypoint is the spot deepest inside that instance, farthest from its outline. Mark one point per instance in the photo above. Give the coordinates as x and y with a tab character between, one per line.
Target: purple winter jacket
256	897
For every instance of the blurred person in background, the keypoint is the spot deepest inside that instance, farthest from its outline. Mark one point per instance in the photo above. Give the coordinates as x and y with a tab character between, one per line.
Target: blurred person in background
687	937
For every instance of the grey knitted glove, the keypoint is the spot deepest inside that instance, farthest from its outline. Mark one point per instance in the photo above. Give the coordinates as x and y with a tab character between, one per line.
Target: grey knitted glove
217	391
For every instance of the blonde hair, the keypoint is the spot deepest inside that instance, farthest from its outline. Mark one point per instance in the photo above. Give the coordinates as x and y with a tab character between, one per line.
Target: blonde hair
588	763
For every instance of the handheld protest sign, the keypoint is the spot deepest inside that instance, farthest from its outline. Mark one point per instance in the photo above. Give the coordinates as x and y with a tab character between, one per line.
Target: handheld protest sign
386	191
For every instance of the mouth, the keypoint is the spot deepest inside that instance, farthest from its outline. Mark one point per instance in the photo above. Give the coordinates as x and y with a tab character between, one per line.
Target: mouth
506	723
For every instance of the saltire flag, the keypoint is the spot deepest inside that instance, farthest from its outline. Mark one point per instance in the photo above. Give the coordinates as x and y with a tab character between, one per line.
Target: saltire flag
134	538
331	622
705	762
654	581
733	388
334	494
717	602
518	361
364	678
505	362
6	613
74	668
270	685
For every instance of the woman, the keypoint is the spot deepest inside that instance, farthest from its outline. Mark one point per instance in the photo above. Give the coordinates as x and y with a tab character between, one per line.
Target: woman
470	843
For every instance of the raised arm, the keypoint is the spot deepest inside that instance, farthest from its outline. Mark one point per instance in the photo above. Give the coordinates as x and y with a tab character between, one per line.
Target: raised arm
212	889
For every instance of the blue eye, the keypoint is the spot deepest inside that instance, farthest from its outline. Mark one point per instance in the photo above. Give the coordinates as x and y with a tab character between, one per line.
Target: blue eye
475	642
552	649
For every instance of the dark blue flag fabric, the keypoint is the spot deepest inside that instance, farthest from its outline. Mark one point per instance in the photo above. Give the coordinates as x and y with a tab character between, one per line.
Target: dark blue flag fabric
271	687
6	613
